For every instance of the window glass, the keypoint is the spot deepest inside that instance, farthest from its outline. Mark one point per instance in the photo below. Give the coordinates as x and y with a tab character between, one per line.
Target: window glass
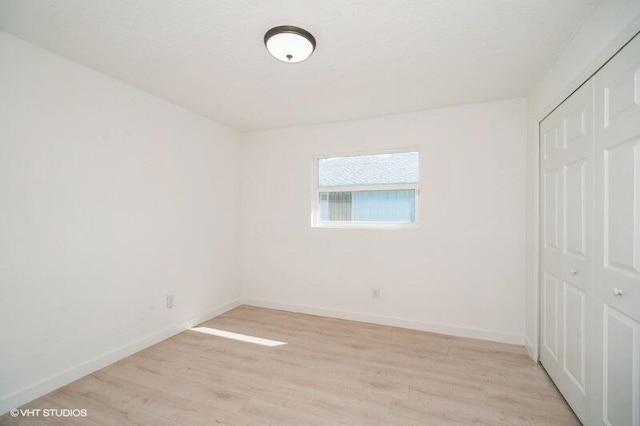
367	189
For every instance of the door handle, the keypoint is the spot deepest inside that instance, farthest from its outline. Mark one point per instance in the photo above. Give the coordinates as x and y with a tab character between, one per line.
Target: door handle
617	292
573	271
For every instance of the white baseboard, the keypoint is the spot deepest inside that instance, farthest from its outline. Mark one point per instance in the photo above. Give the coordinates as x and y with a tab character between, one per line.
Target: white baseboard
476	333
56	381
531	350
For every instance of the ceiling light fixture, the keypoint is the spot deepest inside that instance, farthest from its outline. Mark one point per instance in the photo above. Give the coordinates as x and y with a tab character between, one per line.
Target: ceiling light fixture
289	44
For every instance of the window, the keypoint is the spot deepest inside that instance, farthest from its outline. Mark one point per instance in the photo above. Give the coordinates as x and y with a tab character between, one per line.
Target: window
378	189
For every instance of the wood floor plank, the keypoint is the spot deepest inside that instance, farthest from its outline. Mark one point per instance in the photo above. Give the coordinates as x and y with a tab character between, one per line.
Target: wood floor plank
329	372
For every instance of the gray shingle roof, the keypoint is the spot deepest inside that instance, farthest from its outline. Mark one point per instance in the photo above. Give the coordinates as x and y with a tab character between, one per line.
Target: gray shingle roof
379	169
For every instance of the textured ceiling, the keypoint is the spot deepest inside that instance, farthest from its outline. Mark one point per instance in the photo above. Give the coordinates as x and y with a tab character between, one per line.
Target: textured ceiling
373	57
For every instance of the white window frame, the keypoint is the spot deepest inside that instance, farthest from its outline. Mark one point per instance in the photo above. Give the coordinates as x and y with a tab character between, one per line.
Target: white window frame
316	190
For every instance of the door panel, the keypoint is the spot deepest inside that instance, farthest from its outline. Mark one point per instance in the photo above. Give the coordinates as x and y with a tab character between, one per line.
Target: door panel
621	97
621	362
574	331
550	141
622	195
575	209
566	246
616	333
576	127
550	314
551	209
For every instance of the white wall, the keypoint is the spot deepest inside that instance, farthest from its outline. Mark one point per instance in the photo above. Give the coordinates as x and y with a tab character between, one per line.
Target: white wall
110	199
612	24
461	272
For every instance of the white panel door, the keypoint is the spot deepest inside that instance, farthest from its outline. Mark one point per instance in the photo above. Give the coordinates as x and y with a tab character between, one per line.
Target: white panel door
566	181
616	349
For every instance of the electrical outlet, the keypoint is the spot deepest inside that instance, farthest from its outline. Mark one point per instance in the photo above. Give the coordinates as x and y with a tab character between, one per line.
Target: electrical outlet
375	293
170	301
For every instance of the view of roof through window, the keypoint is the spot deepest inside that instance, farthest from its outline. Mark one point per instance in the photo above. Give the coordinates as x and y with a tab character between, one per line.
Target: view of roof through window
377	169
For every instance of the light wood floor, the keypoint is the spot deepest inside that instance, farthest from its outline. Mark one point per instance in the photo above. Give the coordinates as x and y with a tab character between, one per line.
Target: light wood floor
330	372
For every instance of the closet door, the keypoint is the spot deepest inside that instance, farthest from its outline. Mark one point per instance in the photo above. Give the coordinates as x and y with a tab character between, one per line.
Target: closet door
616	349
566	151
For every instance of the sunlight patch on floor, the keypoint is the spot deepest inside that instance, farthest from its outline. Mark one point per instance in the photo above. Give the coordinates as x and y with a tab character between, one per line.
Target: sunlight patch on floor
237	336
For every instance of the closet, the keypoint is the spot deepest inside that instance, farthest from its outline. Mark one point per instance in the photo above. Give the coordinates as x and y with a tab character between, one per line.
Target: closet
590	244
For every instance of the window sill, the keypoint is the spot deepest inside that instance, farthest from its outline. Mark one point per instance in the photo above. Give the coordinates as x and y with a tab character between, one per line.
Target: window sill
369	225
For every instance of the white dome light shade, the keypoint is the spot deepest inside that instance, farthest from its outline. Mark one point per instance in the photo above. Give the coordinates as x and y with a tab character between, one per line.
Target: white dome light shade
289	44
